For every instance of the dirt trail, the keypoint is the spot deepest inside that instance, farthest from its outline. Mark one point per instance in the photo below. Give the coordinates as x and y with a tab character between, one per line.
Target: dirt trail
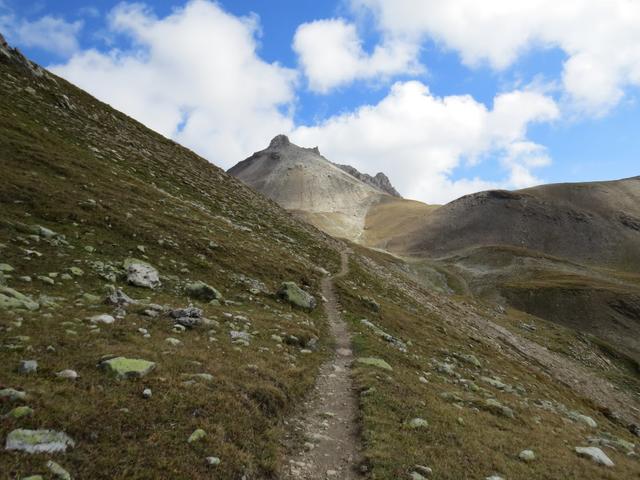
328	420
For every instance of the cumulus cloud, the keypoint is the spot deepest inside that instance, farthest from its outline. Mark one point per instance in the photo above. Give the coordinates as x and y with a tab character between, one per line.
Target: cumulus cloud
330	54
600	38
420	139
194	76
49	33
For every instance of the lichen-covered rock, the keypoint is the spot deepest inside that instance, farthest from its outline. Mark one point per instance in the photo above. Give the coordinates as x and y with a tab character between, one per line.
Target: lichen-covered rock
119	298
58	471
12	394
122	367
38	441
197	435
202	291
102	318
418	423
375	362
11	299
293	294
141	274
20	412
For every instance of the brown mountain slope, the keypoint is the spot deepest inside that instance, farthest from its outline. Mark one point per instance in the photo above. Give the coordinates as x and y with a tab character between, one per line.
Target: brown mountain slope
595	223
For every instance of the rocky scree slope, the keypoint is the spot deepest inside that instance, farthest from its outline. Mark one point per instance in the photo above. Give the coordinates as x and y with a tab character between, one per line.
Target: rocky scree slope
142	329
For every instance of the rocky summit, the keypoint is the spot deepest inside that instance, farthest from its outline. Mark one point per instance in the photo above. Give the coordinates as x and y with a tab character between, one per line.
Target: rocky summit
293	319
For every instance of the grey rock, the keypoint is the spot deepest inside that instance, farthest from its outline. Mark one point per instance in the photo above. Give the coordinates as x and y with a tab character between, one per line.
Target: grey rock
202	291
527	455
141	274
12	394
28	366
293	294
595	454
58	471
38	441
119	298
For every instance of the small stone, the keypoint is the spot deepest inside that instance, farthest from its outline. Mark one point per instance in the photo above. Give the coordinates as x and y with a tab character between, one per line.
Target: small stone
38	441
422	470
76	271
6	268
416	476
202	291
103	318
19	412
12	394
146	393
595	454
197	435
28	366
45	279
33	477
417	423
122	367
375	362
527	455
174	342
578	417
67	374
213	461
58	471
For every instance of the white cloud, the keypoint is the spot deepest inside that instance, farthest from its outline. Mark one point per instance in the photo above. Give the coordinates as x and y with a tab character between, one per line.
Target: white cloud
419	140
49	33
194	76
331	54
601	38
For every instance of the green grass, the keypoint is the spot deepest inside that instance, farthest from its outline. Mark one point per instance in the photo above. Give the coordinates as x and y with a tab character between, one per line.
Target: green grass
484	443
195	223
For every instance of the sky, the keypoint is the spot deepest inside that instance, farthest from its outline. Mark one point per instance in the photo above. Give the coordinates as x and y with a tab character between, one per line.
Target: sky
445	97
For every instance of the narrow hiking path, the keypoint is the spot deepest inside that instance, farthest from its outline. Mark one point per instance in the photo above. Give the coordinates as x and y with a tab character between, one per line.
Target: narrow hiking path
328	420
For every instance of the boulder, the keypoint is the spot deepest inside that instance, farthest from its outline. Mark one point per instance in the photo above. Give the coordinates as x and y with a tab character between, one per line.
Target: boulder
38	441
202	291
11	299
122	367
141	274
595	454
293	294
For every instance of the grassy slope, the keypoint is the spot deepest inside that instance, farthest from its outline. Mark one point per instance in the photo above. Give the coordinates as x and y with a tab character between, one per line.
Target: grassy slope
195	223
463	439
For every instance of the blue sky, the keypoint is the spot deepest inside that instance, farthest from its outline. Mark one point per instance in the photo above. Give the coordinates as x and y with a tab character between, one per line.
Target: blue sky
445	97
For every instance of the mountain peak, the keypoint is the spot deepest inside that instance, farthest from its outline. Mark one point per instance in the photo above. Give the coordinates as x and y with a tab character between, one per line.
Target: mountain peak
279	141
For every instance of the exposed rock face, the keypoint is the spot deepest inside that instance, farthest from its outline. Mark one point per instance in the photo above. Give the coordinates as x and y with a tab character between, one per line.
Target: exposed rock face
379	181
303	181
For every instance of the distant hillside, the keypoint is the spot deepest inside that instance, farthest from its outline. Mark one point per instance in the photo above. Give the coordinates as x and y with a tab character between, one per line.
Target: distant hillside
596	223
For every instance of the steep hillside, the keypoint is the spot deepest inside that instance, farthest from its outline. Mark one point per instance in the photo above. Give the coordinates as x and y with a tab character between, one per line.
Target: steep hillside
149	330
84	188
337	199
